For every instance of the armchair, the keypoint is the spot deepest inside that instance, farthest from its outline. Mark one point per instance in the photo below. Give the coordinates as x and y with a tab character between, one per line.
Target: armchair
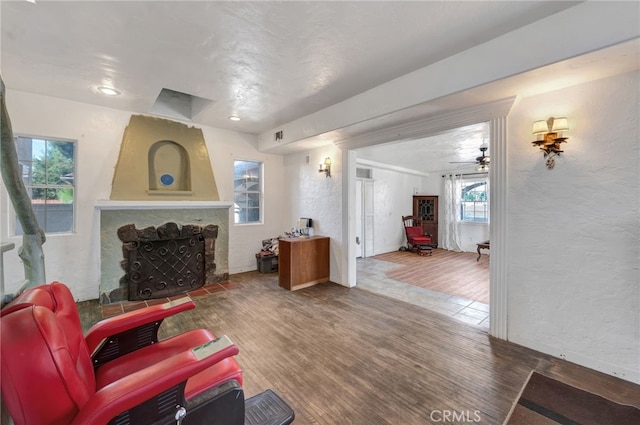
119	372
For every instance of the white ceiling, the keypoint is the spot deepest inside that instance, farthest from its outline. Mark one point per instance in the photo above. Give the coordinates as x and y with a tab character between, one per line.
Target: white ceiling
442	152
267	62
271	63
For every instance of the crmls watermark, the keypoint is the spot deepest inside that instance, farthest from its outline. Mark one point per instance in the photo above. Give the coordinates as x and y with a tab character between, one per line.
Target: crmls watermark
457	416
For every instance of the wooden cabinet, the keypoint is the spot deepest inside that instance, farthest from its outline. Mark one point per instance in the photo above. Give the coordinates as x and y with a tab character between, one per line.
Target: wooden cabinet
426	209
303	262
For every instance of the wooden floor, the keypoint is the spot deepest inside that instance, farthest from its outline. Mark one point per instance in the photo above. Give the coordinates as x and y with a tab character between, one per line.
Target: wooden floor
448	272
349	356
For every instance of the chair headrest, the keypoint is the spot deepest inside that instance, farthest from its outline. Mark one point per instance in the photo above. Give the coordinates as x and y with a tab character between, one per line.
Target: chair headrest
41	295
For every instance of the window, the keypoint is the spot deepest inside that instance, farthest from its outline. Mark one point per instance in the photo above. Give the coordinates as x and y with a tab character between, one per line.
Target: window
247	191
48	168
474	205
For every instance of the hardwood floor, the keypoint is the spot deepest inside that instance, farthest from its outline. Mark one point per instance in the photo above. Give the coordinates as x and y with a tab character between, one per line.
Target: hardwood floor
350	356
448	272
445	283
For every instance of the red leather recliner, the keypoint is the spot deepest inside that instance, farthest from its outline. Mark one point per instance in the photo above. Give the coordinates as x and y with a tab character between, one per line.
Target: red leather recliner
119	372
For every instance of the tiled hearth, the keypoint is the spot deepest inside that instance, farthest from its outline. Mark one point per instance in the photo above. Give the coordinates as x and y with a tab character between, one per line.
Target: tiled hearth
114	309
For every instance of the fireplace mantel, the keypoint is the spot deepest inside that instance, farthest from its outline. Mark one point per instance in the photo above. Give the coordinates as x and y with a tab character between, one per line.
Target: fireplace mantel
159	205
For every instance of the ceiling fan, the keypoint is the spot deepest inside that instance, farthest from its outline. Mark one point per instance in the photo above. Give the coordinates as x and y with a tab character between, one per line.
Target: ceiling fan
482	161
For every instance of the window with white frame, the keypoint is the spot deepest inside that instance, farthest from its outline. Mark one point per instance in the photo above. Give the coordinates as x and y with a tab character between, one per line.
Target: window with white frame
48	173
474	200
247	191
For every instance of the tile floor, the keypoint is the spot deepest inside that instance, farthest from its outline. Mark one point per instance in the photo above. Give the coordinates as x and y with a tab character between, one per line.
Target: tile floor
109	310
371	276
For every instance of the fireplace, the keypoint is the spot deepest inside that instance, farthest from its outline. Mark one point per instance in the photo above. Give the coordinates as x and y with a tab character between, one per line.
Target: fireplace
127	224
163	175
167	260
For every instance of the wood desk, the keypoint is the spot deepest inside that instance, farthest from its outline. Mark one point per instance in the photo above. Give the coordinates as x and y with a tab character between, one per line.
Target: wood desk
303	262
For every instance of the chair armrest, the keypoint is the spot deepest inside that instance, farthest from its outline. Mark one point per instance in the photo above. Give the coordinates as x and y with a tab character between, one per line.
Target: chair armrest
129	325
133	390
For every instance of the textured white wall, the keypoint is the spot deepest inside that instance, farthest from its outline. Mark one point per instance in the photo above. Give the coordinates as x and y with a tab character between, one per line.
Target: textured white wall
311	194
74	258
245	241
393	198
70	258
573	232
472	234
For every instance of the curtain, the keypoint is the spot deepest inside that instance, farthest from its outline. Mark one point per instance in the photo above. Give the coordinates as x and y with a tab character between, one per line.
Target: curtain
452	193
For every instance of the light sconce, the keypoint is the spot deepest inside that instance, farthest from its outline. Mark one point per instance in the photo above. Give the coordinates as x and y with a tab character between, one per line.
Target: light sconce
549	137
325	167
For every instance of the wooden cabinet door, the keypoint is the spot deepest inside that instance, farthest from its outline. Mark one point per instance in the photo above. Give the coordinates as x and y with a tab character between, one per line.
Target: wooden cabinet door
303	262
426	209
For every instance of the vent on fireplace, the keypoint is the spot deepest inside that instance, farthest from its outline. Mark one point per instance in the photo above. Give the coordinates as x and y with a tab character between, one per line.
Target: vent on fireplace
167	260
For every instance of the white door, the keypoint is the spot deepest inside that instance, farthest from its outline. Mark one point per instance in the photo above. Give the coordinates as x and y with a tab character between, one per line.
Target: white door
368	230
359	218
364	218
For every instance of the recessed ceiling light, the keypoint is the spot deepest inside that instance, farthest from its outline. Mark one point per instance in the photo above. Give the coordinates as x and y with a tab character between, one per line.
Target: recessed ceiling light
234	118
109	91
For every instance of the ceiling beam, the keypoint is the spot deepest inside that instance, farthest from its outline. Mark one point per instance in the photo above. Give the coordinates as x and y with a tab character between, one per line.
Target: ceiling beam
575	31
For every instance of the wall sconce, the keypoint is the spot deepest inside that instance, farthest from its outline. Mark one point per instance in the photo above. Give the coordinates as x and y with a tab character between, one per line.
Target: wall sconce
325	167
549	137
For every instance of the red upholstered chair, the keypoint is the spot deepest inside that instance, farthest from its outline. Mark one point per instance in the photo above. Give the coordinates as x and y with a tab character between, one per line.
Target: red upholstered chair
416	237
119	372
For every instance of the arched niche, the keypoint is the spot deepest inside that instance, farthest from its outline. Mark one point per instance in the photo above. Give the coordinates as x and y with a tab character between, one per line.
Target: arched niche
169	167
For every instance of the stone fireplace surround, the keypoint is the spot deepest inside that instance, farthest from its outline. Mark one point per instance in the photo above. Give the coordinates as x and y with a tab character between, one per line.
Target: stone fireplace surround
167	260
114	214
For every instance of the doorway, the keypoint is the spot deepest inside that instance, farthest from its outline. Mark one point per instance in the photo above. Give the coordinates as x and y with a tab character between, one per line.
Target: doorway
365	230
468	310
495	113
448	281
